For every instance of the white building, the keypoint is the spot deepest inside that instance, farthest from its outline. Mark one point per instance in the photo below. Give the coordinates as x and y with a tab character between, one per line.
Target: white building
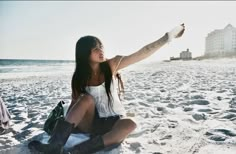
186	55
221	42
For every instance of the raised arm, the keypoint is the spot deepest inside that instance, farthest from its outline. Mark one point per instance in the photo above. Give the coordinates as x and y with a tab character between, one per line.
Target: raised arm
120	62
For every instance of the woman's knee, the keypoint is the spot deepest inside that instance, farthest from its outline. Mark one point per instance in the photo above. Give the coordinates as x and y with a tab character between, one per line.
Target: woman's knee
81	110
83	104
86	101
132	124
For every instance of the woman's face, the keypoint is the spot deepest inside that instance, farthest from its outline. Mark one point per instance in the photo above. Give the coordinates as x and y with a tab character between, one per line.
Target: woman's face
97	54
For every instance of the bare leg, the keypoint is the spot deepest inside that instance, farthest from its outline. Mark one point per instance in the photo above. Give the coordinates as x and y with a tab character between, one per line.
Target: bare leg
119	132
82	113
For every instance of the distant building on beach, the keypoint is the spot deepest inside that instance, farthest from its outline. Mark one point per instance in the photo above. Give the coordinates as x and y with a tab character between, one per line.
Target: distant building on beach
221	42
174	58
186	55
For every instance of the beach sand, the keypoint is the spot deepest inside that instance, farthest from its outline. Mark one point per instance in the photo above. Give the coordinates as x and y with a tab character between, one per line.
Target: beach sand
180	107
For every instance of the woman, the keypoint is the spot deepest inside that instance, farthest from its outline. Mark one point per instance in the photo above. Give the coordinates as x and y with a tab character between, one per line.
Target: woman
95	106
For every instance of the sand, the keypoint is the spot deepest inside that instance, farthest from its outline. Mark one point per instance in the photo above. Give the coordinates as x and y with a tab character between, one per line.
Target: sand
180	107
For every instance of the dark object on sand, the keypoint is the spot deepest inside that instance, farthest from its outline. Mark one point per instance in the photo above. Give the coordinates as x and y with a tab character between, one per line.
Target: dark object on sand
4	117
56	114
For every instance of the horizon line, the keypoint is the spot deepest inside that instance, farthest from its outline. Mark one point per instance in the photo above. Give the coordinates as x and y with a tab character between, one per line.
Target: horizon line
36	59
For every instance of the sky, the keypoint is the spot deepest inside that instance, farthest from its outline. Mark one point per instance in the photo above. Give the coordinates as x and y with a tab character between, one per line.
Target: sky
50	29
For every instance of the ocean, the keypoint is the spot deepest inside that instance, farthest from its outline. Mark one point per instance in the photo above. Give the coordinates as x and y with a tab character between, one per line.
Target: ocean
10	68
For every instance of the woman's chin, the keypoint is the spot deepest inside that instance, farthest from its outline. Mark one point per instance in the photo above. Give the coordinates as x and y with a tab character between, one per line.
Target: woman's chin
102	59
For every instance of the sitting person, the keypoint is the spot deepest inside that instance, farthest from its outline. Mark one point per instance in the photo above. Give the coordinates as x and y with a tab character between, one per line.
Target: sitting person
95	107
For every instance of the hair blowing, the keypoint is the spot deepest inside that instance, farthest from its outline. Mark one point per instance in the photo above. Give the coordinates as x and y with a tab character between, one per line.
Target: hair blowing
83	70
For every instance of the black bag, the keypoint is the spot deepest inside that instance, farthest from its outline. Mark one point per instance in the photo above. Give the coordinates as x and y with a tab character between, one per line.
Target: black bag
56	114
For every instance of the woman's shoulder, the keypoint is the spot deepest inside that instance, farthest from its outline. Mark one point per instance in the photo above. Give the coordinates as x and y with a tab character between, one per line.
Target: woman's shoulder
113	62
114	59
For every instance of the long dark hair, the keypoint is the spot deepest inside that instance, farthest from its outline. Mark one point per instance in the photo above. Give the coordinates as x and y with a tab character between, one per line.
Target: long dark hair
83	70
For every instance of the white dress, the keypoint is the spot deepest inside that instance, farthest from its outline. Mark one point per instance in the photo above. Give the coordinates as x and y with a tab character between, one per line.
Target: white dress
101	100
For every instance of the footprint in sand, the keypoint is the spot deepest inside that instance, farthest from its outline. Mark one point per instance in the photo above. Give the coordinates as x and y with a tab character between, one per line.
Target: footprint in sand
221	91
220	134
219	98
162	110
155	128
204	110
166	137
198	116
170	105
230	116
186	109
172	123
208	111
226	132
23	135
199	102
135	146
33	114
197	97
5	141
144	104
28	126
218	138
232	103
232	110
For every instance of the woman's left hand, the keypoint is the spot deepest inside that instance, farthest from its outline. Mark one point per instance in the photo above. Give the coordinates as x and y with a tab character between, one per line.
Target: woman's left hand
181	32
176	32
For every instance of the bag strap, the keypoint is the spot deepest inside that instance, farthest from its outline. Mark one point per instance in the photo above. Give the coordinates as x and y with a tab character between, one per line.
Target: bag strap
118	64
